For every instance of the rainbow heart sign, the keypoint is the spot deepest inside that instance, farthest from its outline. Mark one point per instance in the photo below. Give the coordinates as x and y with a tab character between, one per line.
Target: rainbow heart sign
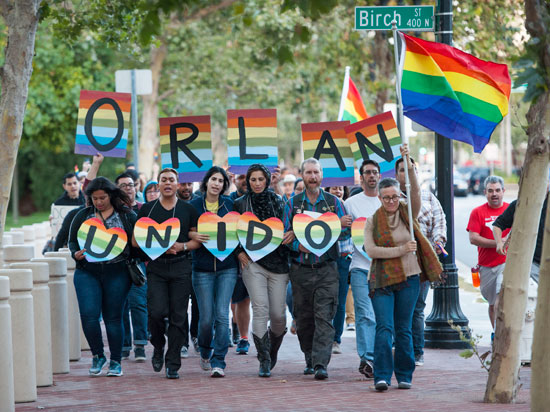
156	238
358	235
317	235
101	244
222	231
259	238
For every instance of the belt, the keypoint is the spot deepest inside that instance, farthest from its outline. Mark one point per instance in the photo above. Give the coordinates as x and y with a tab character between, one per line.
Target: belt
314	265
176	259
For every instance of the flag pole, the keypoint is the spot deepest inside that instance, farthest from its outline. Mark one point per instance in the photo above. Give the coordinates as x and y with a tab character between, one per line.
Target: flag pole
345	89
401	123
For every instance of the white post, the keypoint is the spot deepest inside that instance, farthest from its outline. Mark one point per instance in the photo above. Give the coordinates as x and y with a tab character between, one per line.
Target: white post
18	253
72	305
345	89
17	236
6	241
7	401
40	240
22	324
30	237
59	313
42	320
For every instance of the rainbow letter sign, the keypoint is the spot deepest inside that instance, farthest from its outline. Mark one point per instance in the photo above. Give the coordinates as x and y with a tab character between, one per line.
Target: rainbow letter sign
101	244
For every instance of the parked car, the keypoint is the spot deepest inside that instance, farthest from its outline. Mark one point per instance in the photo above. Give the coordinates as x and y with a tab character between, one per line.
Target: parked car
477	180
460	185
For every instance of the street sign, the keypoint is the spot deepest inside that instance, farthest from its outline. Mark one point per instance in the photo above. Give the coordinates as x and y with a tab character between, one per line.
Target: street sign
144	81
408	18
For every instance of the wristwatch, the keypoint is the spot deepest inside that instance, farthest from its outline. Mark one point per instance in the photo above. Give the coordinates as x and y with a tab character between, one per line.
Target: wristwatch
185	247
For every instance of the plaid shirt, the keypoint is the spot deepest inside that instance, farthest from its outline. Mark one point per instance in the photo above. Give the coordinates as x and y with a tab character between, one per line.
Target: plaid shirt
321	206
431	218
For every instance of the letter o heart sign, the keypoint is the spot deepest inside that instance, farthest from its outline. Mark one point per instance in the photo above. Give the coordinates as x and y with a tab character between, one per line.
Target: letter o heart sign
358	235
259	238
222	231
101	244
156	238
317	235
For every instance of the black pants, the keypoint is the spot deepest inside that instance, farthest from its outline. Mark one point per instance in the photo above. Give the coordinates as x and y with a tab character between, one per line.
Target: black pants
168	289
192	327
315	295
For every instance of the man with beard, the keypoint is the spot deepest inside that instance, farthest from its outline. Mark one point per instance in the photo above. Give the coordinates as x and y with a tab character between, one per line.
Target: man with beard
364	204
314	279
491	264
185	191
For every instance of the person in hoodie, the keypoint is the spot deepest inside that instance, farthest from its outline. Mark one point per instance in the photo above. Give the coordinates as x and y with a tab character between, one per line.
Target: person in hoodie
266	279
213	280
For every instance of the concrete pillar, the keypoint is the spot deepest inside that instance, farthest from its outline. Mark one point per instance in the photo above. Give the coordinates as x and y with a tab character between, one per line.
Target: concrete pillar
59	313
47	228
30	237
17	236
7	401
72	305
42	320
40	240
6	241
84	345
22	327
17	253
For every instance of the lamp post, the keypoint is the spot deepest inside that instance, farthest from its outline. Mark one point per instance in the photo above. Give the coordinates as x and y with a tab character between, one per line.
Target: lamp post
446	304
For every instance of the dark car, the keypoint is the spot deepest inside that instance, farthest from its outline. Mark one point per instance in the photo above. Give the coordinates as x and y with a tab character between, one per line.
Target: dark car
477	180
460	185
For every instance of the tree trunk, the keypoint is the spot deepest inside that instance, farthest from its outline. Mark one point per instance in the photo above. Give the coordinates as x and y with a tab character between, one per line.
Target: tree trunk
502	385
21	19
149	142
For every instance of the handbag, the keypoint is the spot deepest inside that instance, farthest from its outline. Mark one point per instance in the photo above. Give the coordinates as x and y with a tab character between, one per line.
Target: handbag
135	269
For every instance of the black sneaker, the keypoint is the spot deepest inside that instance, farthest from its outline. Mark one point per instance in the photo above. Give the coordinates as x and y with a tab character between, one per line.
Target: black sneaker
172	374
381	386
366	368
125	354
139	354
158	359
321	373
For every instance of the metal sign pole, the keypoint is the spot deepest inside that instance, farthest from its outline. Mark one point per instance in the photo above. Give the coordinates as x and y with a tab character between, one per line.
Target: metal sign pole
135	133
404	138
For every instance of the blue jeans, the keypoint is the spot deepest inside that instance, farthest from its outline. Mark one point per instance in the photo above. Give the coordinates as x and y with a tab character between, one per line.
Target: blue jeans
340	317
418	319
101	290
394	307
213	291
137	305
365	322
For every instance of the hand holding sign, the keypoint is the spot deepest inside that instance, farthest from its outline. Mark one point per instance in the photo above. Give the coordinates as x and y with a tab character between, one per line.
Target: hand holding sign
317	234
101	244
223	233
156	238
259	238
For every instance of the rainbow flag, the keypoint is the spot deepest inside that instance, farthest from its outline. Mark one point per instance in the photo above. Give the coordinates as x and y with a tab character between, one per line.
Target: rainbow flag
103	121
451	92
351	104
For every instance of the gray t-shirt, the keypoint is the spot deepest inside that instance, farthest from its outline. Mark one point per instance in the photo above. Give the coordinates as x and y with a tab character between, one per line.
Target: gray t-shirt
358	206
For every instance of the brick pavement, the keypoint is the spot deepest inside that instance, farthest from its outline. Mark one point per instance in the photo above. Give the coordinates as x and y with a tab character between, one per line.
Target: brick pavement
445	382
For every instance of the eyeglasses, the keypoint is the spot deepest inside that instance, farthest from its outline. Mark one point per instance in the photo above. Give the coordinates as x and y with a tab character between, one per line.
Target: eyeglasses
389	199
126	185
371	172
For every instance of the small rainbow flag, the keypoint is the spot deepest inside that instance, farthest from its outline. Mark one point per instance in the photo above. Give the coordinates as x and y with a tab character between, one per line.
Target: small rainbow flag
189	151
451	92
328	143
376	138
251	138
101	244
103	121
351	104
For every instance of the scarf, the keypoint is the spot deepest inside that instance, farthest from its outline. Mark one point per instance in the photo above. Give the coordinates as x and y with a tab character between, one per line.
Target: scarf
267	203
388	272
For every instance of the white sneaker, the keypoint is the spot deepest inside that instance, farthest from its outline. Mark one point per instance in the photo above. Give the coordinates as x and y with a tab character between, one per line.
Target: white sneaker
184	352
217	373
350	326
336	349
381	386
205	364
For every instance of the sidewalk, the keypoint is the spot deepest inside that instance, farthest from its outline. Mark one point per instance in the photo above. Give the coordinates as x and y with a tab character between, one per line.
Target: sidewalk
445	382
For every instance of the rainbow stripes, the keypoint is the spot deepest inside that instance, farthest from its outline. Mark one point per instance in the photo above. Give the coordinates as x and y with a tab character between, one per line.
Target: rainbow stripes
367	141
251	138
156	238
358	235
101	244
265	236
103	121
451	92
189	150
317	235
320	140
220	244
351	106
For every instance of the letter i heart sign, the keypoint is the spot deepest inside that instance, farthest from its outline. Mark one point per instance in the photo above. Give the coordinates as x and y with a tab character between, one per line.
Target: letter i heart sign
223	233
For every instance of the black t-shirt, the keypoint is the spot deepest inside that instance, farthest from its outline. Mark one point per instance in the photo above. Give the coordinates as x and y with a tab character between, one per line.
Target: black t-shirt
187	215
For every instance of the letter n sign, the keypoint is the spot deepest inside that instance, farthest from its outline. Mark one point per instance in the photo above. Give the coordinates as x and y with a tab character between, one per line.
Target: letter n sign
103	119
251	138
186	145
327	142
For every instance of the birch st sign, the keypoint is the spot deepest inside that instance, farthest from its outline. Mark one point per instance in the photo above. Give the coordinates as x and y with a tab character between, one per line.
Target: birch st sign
408	18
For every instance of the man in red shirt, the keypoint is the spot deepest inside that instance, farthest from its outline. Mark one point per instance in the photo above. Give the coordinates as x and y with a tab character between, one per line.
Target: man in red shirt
491	264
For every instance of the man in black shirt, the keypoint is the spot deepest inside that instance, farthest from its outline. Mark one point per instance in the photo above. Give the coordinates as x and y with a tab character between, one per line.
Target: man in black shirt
72	195
169	276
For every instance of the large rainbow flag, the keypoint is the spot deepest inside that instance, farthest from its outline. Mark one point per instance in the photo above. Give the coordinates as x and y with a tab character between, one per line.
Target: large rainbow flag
451	92
351	104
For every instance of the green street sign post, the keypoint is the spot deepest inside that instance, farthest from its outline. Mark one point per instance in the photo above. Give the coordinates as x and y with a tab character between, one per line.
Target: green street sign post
408	18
